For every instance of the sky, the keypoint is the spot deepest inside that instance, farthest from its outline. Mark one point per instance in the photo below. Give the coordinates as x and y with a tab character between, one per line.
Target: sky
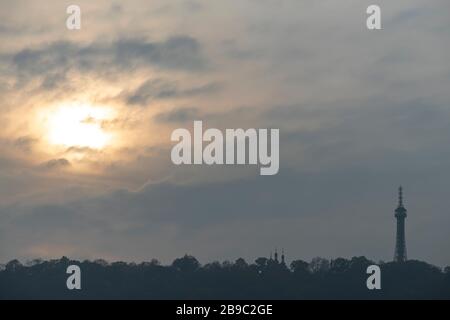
86	118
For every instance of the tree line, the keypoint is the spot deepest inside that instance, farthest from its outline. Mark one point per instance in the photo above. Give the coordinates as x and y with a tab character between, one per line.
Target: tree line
186	278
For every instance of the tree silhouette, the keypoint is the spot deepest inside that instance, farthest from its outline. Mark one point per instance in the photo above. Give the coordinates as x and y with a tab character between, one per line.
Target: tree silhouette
186	278
186	264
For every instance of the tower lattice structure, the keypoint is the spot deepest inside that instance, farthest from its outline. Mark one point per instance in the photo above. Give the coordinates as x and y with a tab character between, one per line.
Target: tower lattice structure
400	215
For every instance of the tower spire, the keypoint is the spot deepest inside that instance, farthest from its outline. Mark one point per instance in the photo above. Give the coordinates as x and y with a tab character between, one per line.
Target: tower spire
400	196
400	215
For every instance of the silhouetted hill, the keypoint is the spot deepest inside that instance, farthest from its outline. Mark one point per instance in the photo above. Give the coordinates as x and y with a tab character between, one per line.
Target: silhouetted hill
187	279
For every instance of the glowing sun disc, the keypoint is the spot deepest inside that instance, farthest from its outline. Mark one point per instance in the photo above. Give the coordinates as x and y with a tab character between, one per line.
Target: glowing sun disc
78	126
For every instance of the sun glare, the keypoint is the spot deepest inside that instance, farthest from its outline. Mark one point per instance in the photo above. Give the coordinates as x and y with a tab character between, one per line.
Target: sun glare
78	125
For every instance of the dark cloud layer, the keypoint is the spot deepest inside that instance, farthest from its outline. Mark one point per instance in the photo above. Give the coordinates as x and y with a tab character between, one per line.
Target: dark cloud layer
161	89
56	163
56	59
179	115
358	210
25	143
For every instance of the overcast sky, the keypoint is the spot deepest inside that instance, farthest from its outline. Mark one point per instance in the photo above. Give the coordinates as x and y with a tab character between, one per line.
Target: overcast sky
360	112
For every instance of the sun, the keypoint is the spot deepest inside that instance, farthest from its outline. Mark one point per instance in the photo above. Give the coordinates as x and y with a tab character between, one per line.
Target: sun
78	126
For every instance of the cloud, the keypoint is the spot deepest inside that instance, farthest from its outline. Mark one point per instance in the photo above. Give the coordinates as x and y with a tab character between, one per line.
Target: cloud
181	52
11	30
152	89
193	5
56	164
25	143
161	89
178	115
291	210
81	150
55	59
116	9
